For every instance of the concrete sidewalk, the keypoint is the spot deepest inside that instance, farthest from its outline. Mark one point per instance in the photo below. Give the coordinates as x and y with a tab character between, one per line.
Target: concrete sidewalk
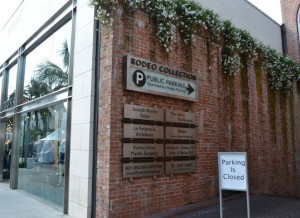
15	204
260	207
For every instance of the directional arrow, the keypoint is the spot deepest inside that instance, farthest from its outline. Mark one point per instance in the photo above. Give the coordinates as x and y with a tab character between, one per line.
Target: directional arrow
190	88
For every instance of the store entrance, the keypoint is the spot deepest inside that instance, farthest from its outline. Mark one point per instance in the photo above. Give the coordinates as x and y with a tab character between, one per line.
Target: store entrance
6	147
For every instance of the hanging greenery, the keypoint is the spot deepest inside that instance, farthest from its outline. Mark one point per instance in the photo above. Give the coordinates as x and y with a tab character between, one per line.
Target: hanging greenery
188	17
163	14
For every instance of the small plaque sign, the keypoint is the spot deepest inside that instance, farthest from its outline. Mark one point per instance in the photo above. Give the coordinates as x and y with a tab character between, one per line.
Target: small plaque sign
135	150
173	150
180	117
187	166
180	133
143	131
131	170
143	113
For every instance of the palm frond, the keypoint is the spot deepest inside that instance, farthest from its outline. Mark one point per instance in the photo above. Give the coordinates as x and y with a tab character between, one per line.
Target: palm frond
64	52
51	74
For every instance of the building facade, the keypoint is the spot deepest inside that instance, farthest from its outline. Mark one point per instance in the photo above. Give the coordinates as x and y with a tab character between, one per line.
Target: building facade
47	79
101	122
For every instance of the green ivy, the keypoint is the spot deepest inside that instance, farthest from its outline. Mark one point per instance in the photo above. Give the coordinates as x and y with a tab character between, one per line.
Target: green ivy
188	17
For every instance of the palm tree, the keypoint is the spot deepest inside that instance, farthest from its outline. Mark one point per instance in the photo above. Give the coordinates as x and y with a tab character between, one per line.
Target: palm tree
51	74
49	77
35	89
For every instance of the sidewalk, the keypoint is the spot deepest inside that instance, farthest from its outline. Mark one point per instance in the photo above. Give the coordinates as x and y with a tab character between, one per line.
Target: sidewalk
260	207
14	204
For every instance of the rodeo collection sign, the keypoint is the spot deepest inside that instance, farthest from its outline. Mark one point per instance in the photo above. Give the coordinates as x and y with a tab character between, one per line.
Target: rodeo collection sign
149	77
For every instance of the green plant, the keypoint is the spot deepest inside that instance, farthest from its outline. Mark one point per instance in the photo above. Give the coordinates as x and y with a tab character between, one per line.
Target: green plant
189	16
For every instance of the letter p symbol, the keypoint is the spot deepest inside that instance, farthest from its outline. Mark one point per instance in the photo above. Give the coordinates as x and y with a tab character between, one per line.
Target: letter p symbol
139	78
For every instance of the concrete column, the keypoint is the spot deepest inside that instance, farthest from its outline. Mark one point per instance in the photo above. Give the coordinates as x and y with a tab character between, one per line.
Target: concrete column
81	147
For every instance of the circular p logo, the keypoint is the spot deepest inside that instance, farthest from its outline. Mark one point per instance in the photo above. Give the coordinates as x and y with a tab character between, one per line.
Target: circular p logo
139	78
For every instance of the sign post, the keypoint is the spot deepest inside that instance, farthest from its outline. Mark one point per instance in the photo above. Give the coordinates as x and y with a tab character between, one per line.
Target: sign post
233	175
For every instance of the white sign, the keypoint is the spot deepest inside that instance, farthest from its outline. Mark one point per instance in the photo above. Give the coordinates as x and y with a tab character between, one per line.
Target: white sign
154	78
233	171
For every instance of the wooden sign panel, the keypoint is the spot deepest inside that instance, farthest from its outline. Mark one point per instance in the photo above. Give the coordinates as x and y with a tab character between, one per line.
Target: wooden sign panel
180	117
143	113
174	150
180	133
143	131
131	170
135	150
186	166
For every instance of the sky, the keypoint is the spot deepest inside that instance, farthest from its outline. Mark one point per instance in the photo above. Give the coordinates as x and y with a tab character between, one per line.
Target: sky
270	7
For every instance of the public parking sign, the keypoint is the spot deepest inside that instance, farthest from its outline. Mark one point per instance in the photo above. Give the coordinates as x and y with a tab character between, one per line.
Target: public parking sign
149	77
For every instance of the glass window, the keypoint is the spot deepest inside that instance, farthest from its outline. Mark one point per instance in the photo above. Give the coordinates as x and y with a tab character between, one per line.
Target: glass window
298	24
7	147
42	153
9	100
47	66
0	87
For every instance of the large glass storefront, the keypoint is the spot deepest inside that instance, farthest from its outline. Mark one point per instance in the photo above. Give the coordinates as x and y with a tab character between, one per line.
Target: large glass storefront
36	95
42	152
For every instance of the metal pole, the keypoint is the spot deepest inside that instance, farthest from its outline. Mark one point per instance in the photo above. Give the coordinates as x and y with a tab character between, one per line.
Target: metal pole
248	204
221	204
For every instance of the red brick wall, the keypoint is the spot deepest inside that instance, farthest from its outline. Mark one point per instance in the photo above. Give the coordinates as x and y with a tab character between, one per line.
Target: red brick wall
289	18
290	10
233	114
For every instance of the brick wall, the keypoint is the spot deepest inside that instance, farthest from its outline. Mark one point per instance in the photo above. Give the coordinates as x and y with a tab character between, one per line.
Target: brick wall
290	11
233	114
289	18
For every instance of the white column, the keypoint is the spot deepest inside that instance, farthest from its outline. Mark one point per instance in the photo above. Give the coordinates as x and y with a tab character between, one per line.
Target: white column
81	152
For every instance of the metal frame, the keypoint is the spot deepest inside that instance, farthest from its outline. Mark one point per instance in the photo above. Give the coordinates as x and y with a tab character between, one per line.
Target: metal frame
247	183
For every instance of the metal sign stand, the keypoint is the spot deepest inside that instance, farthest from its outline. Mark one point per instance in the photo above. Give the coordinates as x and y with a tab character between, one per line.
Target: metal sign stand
220	183
221	204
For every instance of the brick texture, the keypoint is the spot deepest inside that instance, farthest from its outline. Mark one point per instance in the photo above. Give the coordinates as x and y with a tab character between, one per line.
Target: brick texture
237	113
290	12
289	18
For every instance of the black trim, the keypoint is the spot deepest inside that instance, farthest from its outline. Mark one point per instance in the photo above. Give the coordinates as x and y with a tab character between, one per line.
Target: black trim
284	40
96	115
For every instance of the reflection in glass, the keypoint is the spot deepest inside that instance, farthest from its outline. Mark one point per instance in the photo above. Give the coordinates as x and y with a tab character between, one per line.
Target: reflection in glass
0	87
7	148
9	100
47	66
42	153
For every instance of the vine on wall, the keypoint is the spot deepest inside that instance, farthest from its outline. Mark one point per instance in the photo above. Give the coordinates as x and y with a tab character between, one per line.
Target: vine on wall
245	100
188	17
